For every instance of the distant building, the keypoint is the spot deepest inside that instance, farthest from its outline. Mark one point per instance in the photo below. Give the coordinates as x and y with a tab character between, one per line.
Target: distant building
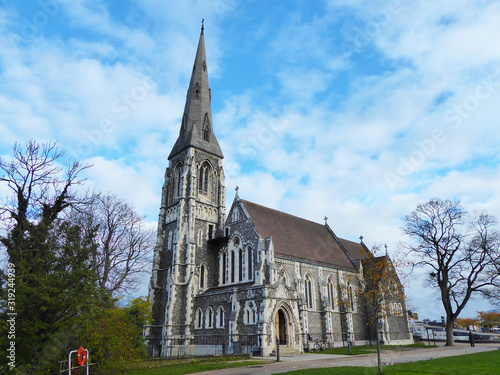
256	278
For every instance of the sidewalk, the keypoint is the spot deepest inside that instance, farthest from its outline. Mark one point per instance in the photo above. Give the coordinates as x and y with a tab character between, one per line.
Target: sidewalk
304	361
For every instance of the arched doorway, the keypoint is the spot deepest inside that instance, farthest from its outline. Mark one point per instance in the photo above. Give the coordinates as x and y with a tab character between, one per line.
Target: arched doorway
281	325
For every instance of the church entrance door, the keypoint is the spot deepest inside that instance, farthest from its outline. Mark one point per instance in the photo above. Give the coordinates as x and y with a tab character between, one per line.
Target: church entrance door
282	327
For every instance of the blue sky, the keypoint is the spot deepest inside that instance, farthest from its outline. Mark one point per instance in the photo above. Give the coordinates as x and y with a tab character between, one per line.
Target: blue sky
357	110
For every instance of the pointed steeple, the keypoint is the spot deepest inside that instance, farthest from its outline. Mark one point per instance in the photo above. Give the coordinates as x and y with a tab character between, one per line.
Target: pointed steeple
196	126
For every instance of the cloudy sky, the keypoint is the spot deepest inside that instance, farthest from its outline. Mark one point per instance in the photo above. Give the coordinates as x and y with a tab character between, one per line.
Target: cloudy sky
357	110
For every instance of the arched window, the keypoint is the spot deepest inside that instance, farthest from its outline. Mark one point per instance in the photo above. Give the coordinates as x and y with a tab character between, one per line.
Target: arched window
202	277
331	292
236	214
177	181
204	178
250	264
206	128
223	269
250	313
219	319
350	296
283	276
240	264
232	266
309	296
205	133
209	318
199	318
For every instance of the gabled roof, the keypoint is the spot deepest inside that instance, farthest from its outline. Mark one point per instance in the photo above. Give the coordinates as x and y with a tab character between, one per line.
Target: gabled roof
197	117
297	238
356	250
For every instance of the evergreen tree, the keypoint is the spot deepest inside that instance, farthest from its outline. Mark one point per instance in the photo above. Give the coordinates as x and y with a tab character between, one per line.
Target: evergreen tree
53	282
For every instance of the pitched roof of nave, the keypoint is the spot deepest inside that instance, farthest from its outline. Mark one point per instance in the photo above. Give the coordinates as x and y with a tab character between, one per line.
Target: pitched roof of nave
356	250
301	239
196	126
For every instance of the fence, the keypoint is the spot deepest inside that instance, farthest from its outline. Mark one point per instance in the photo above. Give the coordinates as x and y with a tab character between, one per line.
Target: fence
225	344
206	345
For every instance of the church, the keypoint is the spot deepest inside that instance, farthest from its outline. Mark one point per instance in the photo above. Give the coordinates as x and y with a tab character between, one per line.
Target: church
253	278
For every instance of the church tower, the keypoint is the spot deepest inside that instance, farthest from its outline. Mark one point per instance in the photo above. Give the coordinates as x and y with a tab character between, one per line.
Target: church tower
192	211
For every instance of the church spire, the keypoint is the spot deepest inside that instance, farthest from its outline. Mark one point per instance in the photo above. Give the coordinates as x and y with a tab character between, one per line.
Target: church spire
196	126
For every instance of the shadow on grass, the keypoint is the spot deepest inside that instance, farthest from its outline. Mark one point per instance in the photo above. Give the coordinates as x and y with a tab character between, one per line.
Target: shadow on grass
357	350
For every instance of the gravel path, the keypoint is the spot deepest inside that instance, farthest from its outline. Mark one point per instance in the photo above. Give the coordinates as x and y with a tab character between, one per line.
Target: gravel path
305	361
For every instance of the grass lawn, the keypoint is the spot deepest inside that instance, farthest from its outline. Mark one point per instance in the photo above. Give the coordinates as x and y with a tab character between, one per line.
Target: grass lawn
356	350
183	366
486	363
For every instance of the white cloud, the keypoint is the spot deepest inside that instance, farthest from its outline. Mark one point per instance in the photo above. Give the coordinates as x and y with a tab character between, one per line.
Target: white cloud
137	185
346	94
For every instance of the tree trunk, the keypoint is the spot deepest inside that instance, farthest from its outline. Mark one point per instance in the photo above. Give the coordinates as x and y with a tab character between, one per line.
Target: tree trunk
379	364
450	322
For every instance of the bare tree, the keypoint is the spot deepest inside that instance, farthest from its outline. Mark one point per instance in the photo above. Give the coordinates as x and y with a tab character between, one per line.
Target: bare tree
124	243
460	251
41	192
47	254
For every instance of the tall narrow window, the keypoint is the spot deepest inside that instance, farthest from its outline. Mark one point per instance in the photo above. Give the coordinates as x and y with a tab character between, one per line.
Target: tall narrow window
240	264
308	286
250	268
205	182
177	181
206	128
204	177
331	293
199	319
219	321
201	176
224	266
350	296
205	133
202	276
232	266
209	318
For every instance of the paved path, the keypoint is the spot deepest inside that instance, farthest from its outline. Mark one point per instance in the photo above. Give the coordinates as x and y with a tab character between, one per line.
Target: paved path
304	361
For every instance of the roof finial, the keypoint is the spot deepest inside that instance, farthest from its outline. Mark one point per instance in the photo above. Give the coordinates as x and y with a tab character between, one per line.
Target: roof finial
326	220
361	238
386	254
202	26
237	188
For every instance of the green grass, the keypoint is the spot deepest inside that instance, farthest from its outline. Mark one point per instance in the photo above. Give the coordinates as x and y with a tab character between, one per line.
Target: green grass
357	350
486	363
181	366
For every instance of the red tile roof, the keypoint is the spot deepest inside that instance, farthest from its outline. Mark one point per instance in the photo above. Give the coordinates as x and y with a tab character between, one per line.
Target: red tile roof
297	238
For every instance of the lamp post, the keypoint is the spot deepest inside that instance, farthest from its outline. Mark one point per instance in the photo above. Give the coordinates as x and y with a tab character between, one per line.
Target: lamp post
277	349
